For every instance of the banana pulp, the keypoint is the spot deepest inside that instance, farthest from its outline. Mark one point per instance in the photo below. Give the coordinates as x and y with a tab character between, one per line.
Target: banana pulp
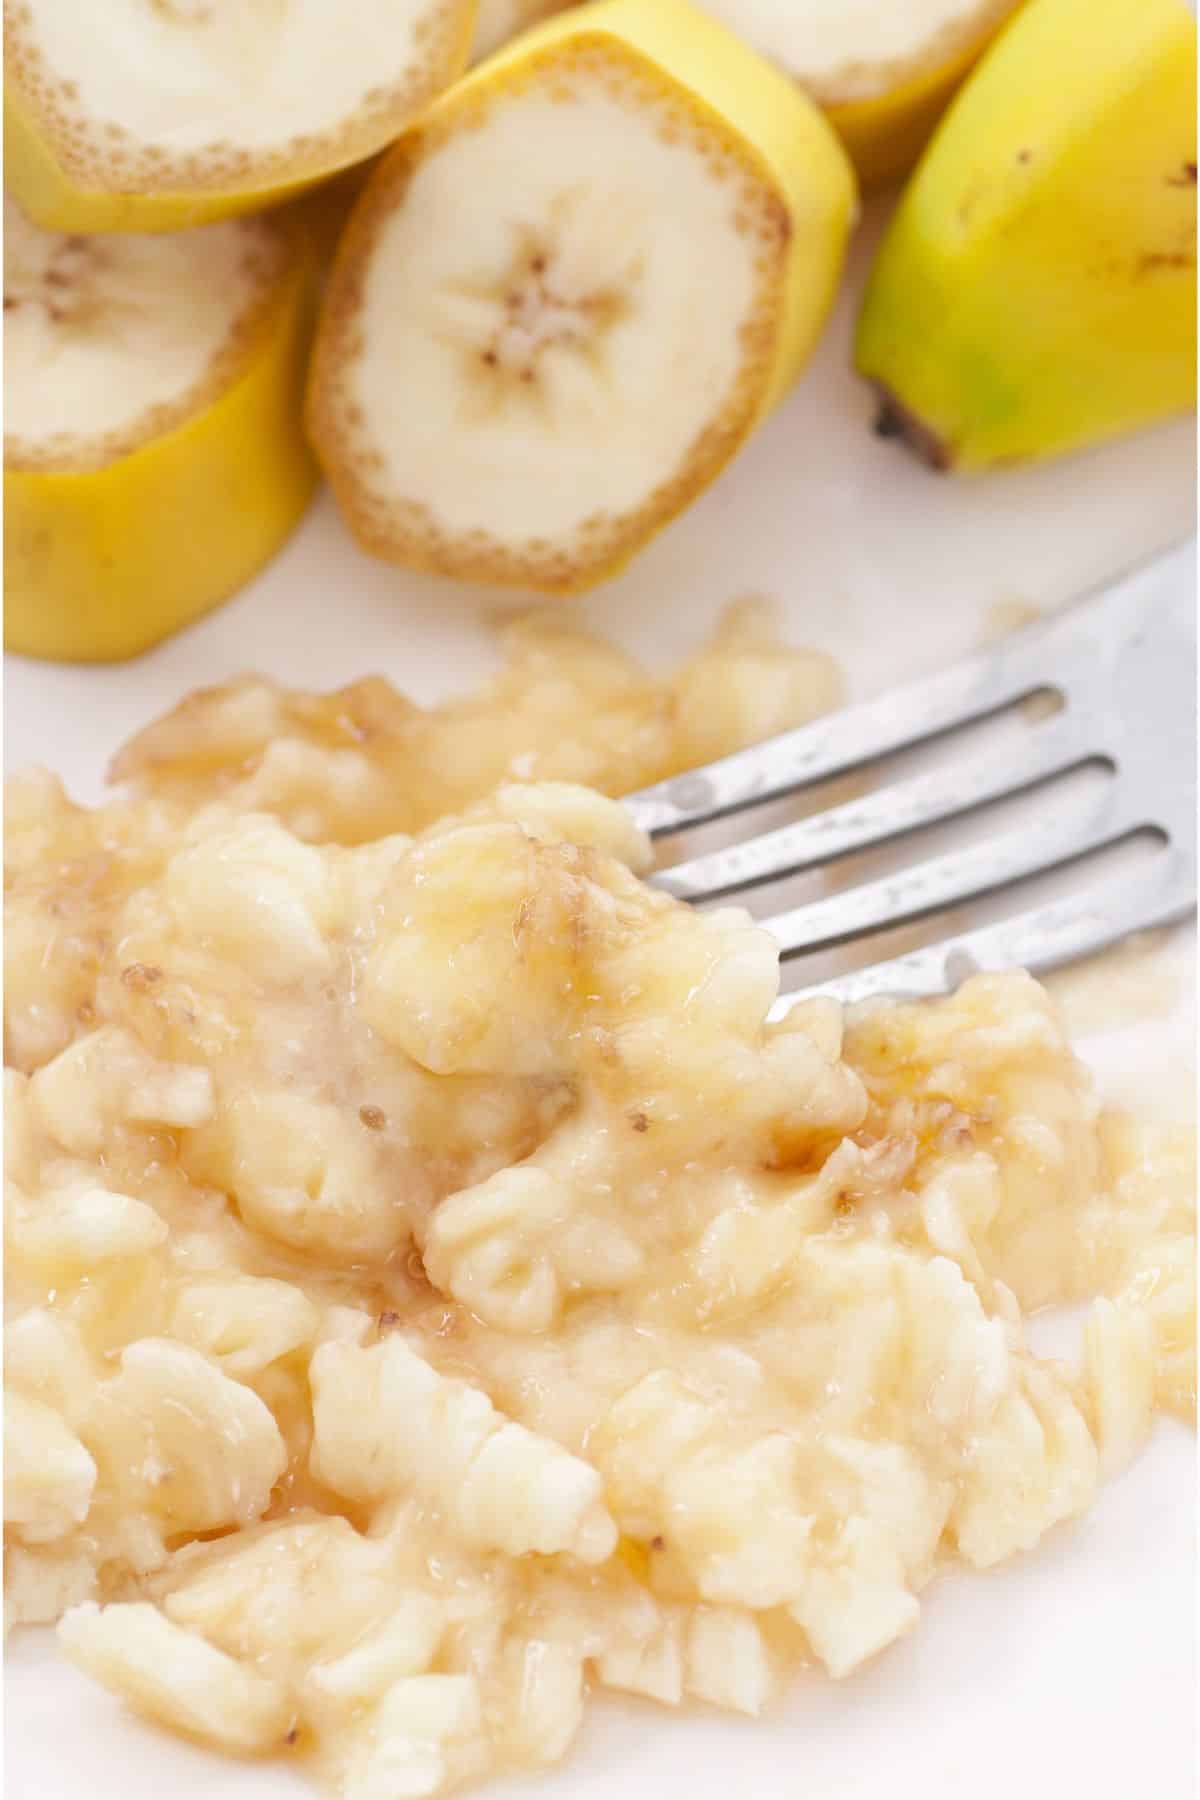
128	117
154	456
1036	290
594	268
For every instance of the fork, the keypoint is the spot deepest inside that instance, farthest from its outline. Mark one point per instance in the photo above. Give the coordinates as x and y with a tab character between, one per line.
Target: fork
1122	661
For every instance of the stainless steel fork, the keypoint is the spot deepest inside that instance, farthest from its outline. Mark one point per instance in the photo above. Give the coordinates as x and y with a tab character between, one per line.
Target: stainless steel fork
1122	661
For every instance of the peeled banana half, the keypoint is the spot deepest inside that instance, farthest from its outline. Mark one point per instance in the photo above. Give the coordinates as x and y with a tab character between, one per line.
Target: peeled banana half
154	455
597	264
151	115
1036	290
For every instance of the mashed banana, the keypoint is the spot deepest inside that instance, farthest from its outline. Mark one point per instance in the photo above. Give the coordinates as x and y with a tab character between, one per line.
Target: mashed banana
435	1290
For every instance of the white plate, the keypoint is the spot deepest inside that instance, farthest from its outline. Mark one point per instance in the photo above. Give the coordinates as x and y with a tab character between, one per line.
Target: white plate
1068	1672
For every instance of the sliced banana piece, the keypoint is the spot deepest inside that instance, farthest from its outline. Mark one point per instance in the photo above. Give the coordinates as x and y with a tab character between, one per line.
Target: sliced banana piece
152	115
564	302
882	69
153	454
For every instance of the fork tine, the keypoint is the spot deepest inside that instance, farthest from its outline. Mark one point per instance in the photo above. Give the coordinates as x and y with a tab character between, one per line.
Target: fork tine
836	744
1160	892
888	813
1079	639
944	881
1124	662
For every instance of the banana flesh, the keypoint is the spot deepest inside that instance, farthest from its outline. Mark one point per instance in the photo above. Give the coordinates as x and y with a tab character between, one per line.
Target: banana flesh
598	264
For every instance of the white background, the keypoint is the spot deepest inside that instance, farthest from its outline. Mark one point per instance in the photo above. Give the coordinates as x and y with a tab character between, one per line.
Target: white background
1069	1672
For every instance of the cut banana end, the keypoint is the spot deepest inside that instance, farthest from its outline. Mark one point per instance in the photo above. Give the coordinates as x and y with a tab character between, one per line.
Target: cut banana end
136	116
154	454
1036	289
565	301
882	73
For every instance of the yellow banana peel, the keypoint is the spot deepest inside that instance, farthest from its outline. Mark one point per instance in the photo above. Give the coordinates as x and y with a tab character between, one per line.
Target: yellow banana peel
1036	290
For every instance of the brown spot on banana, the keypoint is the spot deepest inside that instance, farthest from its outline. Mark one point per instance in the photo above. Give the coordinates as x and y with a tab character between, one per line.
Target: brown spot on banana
894	420
1151	261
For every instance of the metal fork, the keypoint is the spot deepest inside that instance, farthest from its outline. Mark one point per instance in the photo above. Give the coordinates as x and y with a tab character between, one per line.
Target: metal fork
1123	662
